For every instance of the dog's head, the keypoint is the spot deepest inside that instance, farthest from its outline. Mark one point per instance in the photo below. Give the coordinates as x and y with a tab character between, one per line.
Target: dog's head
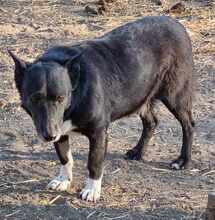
46	92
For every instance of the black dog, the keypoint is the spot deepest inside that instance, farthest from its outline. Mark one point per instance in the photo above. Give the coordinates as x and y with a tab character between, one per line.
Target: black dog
84	87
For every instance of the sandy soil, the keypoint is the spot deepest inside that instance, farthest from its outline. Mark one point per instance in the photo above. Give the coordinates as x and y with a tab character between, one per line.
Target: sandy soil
131	190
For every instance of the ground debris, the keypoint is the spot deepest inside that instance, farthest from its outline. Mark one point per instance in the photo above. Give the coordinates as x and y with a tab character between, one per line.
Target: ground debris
174	7
91	10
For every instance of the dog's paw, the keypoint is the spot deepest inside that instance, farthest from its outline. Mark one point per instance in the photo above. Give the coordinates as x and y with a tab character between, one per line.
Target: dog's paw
179	164
59	184
91	191
63	181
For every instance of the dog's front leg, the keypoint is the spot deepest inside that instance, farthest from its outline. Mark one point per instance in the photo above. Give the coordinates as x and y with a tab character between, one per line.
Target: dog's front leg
98	146
63	181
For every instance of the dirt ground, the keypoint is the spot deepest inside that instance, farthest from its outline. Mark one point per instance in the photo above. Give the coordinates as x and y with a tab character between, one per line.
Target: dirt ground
146	190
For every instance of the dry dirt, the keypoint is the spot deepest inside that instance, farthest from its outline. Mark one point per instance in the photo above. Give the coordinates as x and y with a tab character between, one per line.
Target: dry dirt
131	190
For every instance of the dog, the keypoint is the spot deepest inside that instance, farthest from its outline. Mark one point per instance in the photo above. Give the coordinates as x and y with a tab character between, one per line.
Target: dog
86	86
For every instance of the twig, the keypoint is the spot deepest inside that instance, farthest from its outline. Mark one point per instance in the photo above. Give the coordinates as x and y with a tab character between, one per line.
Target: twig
13	213
19	170
195	170
21	182
158	132
92	213
160	169
3	10
116	171
53	200
118	217
209	172
3	189
131	136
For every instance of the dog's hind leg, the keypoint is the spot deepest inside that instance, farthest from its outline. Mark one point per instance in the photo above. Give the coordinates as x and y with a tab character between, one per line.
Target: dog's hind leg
149	122
63	181
180	107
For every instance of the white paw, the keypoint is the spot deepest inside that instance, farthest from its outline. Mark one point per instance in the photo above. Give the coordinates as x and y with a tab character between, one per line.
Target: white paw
175	166
63	181
92	190
59	183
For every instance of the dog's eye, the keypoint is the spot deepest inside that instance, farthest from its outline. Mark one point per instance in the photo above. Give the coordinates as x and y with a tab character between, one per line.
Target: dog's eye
60	99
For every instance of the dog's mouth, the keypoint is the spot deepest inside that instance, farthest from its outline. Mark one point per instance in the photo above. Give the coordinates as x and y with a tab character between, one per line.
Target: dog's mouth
57	138
50	139
65	128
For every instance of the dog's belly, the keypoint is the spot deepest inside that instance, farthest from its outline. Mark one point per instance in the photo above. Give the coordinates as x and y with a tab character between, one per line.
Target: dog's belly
125	109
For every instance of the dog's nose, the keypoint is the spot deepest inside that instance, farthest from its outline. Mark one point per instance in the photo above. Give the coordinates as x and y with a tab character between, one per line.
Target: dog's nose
48	137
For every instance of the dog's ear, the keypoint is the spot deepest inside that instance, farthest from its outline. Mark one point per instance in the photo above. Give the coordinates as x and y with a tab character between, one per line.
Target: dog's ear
20	67
74	69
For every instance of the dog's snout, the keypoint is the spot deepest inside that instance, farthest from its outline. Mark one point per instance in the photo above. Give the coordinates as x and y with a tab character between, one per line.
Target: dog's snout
49	137
50	132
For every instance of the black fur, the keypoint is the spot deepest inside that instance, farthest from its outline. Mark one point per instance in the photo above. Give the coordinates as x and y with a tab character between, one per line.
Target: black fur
123	72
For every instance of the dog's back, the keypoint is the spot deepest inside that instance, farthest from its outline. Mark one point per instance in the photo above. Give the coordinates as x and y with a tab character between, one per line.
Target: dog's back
139	59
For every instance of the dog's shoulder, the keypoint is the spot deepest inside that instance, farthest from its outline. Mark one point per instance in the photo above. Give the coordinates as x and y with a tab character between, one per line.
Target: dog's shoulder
61	54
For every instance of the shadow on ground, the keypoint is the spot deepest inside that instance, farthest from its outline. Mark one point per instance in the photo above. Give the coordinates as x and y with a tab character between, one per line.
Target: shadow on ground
63	211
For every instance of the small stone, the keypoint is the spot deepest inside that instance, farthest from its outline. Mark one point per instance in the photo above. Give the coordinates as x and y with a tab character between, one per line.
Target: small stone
91	10
177	7
157	2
